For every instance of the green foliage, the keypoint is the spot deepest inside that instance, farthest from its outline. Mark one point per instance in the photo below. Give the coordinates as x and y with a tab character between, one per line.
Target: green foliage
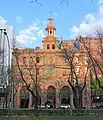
94	84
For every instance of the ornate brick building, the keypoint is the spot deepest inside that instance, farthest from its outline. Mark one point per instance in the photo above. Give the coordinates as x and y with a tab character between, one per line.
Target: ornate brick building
51	71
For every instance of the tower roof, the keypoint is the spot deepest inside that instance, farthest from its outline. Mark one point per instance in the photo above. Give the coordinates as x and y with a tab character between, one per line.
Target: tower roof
50	24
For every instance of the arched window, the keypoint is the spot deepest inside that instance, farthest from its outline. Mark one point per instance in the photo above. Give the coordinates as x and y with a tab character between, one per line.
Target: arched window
65	95
53	46
31	60
50	32
51	96
24	71
37	59
24	59
31	71
48	46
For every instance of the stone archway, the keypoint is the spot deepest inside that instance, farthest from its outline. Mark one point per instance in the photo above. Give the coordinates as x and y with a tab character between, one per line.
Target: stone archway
65	95
51	96
24	97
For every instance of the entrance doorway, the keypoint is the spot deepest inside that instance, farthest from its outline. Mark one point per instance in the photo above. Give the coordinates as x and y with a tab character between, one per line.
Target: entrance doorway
51	96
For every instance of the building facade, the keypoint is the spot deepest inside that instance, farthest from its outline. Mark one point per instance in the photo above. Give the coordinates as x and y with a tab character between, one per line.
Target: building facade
50	70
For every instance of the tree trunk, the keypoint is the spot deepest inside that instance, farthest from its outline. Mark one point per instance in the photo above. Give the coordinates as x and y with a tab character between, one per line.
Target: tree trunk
36	106
72	100
80	99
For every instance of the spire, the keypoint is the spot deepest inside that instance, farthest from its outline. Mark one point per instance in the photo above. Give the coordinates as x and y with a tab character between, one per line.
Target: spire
50	24
50	29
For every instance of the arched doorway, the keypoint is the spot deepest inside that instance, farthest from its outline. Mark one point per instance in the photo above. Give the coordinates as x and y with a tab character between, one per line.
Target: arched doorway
24	97
38	95
65	95
51	96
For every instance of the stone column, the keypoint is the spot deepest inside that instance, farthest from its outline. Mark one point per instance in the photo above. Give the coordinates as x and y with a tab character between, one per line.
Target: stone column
44	97
18	99
71	100
30	100
57	98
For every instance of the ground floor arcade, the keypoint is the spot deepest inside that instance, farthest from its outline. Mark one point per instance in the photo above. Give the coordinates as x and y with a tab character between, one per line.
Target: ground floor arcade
53	96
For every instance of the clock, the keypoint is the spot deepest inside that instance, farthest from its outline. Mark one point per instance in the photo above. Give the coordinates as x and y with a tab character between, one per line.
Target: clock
51	60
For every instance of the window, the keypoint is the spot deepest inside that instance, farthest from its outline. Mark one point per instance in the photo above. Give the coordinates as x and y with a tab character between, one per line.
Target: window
50	70
31	60
37	59
24	59
50	32
102	51
53	46
77	71
48	46
64	72
24	71
31	71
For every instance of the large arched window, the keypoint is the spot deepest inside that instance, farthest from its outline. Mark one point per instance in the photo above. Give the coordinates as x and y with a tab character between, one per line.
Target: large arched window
31	71
65	95
53	46
24	59
48	46
51	96
24	71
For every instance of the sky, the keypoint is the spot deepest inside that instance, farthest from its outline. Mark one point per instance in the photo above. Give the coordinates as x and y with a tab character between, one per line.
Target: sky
29	19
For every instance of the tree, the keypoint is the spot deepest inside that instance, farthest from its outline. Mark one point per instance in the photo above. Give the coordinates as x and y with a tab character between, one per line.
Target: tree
27	74
74	58
93	46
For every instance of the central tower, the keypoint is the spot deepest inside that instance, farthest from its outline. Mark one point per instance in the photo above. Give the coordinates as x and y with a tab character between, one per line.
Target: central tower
50	41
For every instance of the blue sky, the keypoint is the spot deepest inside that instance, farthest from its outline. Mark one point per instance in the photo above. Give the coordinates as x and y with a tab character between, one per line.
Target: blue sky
29	19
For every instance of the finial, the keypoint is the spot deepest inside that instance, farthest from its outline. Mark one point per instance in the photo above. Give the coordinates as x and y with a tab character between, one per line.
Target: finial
50	18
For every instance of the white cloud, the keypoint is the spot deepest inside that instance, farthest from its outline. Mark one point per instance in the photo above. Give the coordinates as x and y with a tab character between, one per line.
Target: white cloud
91	23
30	34
100	2
19	20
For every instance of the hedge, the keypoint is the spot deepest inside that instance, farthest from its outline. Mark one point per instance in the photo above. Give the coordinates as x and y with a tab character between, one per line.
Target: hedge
60	112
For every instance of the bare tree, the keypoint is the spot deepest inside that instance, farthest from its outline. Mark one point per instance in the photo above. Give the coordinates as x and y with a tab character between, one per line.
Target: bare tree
78	71
94	50
28	73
